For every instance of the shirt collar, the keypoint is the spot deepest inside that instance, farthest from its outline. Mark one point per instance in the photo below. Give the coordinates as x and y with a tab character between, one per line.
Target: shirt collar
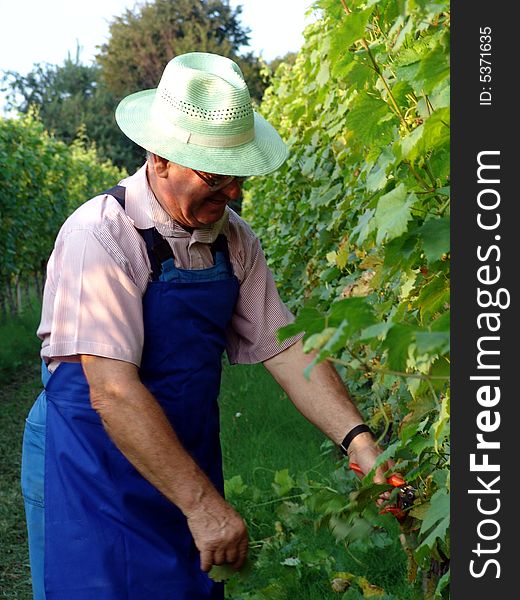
143	208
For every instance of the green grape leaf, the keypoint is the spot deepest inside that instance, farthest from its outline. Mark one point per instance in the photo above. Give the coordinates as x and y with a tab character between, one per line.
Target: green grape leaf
318	340
436	521
365	225
439	509
377	177
433	297
400	251
234	486
283	483
308	320
323	74
436	342
370	120
440	426
225	572
378	330
442	584
357	312
323	196
398	341
358	73
353	26
434	68
435	236
432	134
393	213
442	323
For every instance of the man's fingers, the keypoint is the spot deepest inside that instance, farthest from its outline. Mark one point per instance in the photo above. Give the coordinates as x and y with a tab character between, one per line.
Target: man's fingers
232	555
243	549
219	557
220	534
206	560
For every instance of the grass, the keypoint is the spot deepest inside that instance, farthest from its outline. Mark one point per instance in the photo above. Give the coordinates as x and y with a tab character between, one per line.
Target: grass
15	400
262	433
20	346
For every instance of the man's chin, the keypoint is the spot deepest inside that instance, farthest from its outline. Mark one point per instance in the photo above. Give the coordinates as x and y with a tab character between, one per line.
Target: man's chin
209	217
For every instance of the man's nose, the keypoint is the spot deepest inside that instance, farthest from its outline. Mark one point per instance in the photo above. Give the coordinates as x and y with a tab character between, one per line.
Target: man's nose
233	189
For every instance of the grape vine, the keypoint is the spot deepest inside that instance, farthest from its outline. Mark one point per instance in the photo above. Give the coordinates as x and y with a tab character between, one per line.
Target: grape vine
42	181
356	229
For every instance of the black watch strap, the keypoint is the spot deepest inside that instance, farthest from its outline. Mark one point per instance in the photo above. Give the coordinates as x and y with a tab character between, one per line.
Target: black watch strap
351	435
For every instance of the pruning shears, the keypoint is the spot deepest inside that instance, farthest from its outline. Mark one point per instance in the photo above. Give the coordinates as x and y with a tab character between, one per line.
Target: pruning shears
405	497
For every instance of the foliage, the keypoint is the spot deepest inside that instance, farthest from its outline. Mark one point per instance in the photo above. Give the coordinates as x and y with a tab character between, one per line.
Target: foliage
70	98
356	229
274	461
42	180
283	563
144	39
63	94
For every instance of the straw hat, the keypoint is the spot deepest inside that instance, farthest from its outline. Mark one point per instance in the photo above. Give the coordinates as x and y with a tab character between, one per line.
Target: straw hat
200	116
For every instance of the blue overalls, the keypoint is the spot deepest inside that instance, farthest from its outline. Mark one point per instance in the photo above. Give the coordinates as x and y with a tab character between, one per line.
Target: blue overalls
98	529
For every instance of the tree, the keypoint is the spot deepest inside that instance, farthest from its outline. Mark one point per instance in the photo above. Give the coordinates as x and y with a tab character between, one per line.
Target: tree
289	59
71	100
73	96
144	39
62	94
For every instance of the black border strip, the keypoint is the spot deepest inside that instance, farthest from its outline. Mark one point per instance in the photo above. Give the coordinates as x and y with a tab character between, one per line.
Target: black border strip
484	119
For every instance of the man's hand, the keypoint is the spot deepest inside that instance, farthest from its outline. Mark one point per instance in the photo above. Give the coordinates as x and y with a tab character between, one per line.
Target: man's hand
363	451
220	534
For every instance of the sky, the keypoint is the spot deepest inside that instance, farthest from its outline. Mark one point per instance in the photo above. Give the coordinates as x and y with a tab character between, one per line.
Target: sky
33	31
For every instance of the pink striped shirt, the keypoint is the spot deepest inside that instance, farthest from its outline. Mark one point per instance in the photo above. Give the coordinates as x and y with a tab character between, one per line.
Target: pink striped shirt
99	270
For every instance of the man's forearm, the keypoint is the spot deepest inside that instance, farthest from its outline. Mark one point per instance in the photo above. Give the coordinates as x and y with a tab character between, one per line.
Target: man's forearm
323	399
139	428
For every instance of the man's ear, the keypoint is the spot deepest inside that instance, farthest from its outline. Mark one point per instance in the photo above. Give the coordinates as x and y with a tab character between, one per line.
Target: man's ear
160	165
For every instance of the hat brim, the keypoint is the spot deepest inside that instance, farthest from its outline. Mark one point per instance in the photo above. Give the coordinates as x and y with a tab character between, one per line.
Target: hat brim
264	154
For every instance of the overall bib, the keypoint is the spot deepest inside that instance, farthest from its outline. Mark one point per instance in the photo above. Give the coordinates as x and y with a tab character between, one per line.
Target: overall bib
98	529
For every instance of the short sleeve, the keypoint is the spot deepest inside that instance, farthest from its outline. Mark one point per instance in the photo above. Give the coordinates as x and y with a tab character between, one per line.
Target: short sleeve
258	315
96	306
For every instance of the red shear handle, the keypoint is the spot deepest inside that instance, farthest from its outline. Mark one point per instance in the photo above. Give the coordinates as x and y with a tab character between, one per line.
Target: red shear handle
394	480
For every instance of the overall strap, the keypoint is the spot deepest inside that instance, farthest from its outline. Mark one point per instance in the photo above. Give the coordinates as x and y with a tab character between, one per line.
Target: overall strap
118	192
220	245
159	251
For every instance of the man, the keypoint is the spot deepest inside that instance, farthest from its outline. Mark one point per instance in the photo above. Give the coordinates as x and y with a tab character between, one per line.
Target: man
147	285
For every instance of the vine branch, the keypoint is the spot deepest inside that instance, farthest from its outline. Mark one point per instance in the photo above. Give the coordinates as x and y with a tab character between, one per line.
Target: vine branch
377	69
364	368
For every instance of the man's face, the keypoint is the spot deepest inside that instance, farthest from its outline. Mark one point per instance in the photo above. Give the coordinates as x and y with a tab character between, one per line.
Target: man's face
186	197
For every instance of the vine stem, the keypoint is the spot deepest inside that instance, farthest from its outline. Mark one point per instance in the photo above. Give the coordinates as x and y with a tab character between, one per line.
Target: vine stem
385	418
393	101
377	69
280	500
418	177
441	210
436	398
390	372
